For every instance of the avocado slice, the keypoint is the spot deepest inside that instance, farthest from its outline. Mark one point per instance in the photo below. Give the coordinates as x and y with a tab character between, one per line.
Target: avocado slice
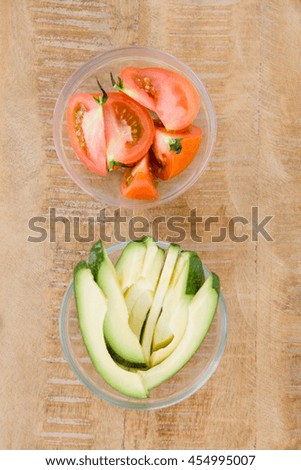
139	312
139	296
116	327
130	264
92	307
188	277
147	275
122	362
153	262
134	292
201	313
174	331
163	284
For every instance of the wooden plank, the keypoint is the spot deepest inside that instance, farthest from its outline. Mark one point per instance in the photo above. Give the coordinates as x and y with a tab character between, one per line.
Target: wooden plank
279	264
24	266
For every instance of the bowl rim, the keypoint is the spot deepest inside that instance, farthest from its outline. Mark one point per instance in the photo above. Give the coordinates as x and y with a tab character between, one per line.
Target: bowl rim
143	404
83	72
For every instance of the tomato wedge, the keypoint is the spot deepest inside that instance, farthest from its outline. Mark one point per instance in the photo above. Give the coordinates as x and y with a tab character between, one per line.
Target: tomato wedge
167	93
85	125
138	182
129	130
174	151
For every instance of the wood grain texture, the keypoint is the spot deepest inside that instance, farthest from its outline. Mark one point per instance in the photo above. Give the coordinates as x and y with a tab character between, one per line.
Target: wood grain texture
24	266
248	54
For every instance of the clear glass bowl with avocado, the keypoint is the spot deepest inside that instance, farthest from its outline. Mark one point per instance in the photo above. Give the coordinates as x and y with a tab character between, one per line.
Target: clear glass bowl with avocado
143	324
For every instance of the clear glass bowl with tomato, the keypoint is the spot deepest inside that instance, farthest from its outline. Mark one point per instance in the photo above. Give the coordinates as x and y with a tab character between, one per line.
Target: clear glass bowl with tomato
191	378
171	179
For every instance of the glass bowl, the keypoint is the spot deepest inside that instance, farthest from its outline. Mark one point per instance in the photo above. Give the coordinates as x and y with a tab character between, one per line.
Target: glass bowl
184	383
107	189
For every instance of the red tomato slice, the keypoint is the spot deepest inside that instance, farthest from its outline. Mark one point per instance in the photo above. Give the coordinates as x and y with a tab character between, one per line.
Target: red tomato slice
85	124
138	182
129	130
174	151
169	94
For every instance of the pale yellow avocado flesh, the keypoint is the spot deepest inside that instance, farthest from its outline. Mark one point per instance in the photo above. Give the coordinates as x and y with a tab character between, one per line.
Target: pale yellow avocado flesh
164	281
135	292
164	331
139	296
130	264
201	312
139	312
92	307
153	263
177	327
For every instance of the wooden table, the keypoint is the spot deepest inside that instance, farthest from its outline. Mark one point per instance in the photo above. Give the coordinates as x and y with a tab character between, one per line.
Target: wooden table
248	54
